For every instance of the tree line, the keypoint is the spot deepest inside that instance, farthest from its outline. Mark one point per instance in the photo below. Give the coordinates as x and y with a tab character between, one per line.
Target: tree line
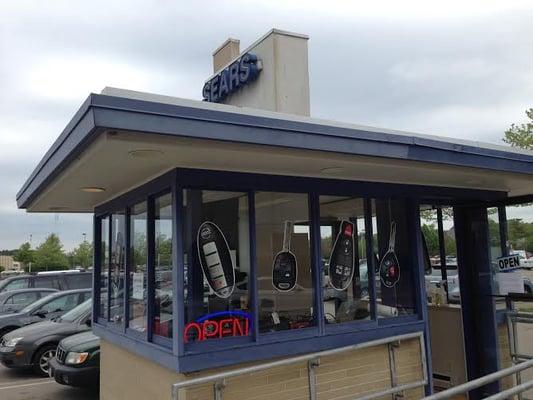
49	255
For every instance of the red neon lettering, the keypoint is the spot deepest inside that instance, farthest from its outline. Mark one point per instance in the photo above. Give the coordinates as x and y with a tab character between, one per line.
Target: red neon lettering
226	327
189	327
238	328
210	329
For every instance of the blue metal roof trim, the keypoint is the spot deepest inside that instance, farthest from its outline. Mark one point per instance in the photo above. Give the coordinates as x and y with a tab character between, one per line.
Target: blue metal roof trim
270	131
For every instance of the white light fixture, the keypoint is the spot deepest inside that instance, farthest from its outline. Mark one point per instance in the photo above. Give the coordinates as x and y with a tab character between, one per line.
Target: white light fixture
92	189
332	170
146	154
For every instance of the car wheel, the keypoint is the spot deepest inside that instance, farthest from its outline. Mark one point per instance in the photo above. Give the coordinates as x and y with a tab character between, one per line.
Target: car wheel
527	289
41	358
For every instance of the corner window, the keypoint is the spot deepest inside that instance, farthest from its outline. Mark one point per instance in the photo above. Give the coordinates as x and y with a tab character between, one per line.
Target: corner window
116	278
284	270
216	264
344	267
138	271
393	261
104	266
163	266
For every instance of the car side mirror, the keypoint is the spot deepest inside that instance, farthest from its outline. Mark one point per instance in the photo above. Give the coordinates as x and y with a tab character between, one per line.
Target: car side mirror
41	313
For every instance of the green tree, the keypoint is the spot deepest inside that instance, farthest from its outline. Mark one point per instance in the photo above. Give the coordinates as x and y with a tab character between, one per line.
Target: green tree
432	239
25	255
82	255
50	255
521	135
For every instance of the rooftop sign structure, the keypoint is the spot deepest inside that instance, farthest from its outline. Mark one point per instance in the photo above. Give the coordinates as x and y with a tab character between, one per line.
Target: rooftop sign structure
241	71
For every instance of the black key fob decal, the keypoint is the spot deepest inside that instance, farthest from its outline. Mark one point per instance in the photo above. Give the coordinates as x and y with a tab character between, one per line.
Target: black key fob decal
341	261
215	259
285	267
389	267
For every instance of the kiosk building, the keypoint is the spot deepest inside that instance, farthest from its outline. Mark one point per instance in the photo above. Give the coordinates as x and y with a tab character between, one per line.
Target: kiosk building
238	231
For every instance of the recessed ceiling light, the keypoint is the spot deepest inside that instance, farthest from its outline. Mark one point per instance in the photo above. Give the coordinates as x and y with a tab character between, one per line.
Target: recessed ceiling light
92	189
146	154
332	170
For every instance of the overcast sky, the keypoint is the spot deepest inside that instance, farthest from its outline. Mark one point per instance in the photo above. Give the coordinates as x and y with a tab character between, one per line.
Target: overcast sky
454	68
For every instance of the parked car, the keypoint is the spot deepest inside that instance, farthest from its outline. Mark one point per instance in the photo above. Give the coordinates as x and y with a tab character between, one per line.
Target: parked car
77	361
16	300
51	306
35	345
55	280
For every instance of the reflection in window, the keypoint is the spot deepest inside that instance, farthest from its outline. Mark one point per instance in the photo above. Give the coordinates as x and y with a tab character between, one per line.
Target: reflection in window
520	241
217	264
163	266
395	293
104	267
138	272
436	287
344	268
520	232
282	230
116	279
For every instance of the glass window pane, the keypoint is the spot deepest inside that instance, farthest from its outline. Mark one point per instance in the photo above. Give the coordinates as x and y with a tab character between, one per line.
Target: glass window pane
395	292
217	264
285	279
138	272
163	266
494	233
104	267
344	270
116	284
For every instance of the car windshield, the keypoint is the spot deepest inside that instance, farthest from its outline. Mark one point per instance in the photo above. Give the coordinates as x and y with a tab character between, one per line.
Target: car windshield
76	312
38	304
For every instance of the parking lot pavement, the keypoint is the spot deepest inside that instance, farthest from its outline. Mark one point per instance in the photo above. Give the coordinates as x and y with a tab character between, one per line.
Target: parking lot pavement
23	385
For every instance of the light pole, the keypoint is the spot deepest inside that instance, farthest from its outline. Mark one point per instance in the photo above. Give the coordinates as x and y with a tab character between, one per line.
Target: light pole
29	264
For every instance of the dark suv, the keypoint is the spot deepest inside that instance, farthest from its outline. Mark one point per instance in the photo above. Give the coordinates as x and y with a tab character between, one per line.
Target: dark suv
59	281
77	361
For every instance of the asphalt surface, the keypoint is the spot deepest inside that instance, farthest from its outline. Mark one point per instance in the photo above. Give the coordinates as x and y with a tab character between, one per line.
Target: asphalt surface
23	385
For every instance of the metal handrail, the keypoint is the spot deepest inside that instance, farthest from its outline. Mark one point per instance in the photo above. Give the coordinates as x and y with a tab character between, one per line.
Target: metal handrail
219	378
484	380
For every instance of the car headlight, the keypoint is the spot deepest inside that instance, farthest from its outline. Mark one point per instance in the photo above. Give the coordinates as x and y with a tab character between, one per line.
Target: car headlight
76	358
12	342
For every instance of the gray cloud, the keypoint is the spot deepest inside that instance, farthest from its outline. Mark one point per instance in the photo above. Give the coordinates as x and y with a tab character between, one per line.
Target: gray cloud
459	69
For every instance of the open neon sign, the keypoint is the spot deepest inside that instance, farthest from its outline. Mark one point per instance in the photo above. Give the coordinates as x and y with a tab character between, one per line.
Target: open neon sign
218	325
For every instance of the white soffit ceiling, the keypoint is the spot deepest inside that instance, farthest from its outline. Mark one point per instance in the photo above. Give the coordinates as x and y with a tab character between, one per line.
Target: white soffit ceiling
108	163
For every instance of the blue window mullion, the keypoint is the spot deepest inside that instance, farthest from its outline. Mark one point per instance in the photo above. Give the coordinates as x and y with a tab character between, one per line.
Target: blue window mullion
504	234
127	269
150	285
369	239
316	259
178	321
252	279
97	267
108	266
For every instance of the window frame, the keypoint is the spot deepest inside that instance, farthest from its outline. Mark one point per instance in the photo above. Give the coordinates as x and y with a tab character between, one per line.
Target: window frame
196	356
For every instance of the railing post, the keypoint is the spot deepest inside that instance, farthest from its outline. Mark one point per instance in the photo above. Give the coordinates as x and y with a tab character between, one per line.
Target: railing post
218	389
311	373
392	367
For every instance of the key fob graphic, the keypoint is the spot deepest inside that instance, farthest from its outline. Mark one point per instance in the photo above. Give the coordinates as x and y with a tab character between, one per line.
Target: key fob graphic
341	261
215	259
389	267
285	267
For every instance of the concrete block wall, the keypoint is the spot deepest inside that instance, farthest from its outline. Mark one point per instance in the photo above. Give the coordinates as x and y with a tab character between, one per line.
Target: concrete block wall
125	375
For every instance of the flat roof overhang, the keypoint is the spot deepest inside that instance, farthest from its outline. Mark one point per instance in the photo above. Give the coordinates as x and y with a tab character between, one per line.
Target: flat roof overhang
95	150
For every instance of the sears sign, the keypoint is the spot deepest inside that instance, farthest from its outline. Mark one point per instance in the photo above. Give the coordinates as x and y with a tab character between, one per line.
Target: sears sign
241	71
